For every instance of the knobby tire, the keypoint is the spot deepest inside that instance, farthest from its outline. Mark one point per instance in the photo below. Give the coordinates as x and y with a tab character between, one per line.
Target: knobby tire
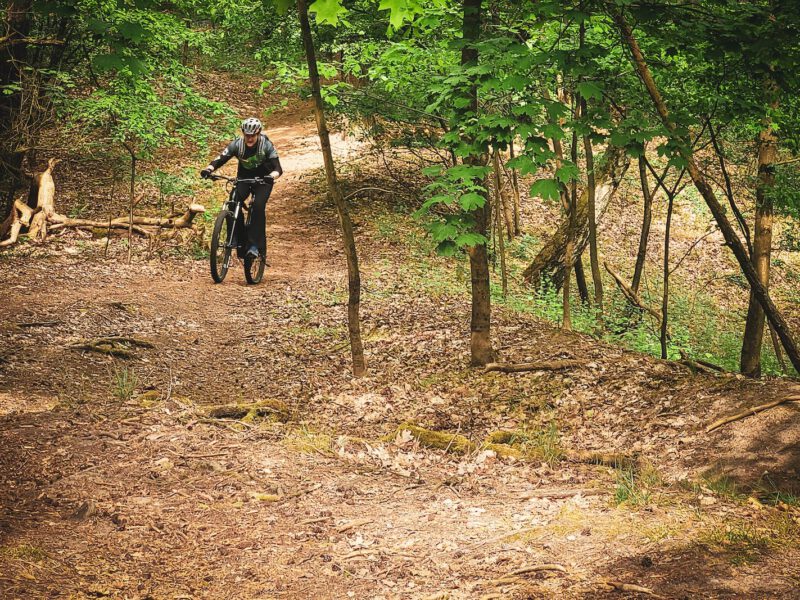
220	250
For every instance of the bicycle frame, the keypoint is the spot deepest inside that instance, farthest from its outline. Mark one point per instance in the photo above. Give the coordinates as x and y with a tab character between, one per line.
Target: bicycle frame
236	206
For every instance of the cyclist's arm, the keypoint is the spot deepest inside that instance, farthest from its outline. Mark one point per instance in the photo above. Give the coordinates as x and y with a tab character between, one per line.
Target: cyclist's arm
276	170
228	153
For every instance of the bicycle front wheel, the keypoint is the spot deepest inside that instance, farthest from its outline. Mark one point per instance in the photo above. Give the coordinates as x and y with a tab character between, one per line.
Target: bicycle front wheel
254	268
221	246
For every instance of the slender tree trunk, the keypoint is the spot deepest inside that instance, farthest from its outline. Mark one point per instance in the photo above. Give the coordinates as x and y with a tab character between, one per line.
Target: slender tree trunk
500	234
515	187
353	274
569	254
480	324
760	292
580	278
750	363
665	296
131	202
641	255
597	278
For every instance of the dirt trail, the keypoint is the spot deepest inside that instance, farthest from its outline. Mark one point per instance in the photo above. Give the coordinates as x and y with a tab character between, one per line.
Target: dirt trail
106	495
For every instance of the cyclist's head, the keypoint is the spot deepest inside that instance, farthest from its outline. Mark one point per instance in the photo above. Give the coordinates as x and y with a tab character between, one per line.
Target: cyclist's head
251	126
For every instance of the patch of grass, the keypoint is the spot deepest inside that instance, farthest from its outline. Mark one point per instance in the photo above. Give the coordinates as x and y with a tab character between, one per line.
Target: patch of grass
543	443
769	493
123	383
742	542
724	486
309	442
523	247
24	552
634	487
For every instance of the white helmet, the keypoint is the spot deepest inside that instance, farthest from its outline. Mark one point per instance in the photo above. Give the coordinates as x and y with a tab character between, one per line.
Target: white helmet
251	126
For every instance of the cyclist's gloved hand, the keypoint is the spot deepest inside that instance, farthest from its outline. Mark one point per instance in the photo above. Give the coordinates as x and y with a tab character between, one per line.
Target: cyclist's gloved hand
206	173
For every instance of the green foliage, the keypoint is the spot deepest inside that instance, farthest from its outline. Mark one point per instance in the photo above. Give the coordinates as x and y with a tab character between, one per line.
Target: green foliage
634	487
124	382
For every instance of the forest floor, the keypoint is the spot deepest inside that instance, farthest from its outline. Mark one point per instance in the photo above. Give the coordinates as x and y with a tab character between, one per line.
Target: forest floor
115	482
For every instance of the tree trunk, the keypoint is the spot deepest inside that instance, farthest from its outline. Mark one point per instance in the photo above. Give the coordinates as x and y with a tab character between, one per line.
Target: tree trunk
499	227
597	278
665	296
480	325
12	60
515	187
641	255
548	263
580	279
750	363
353	274
760	292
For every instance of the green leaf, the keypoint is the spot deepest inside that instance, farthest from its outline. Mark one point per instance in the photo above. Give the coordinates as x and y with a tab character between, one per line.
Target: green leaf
553	131
327	11
108	62
470	239
471	201
590	91
443	231
567	172
547	189
131	30
446	248
400	11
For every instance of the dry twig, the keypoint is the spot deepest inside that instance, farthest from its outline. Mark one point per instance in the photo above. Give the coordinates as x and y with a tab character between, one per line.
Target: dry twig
750	412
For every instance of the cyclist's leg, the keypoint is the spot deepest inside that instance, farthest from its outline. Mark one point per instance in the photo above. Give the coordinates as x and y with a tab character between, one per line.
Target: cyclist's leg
257	232
240	232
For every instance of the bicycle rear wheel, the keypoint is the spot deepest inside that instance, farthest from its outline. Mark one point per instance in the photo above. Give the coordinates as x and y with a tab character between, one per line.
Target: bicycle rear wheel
221	246
254	268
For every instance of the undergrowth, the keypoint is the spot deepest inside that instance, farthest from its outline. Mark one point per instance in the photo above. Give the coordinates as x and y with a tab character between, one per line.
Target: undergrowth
698	326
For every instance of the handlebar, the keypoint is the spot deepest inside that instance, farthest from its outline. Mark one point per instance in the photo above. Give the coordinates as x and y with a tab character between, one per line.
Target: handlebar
235	180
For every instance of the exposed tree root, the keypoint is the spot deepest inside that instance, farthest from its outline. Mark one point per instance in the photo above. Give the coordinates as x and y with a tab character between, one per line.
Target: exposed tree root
750	412
118	346
606	459
449	442
555	365
248	413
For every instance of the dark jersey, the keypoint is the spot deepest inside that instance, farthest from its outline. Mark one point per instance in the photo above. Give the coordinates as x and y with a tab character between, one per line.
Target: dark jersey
257	161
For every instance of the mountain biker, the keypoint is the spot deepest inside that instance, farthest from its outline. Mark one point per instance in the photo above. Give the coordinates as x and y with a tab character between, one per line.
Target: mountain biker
257	158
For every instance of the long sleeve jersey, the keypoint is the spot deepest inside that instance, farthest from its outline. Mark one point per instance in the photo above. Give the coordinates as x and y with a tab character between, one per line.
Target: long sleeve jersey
257	161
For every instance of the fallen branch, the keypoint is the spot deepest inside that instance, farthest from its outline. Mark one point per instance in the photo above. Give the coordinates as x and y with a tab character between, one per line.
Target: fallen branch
632	296
352	525
555	365
630	587
750	412
536	568
44	216
558	493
